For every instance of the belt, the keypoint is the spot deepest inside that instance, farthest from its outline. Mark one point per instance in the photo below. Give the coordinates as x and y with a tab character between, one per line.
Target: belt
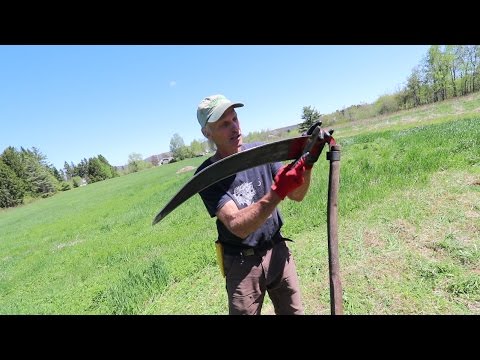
236	250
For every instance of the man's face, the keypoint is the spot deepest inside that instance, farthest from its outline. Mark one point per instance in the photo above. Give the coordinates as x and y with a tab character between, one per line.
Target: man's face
226	133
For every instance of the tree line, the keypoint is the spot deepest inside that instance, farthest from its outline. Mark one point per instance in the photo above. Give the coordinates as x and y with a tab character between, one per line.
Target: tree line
444	72
25	174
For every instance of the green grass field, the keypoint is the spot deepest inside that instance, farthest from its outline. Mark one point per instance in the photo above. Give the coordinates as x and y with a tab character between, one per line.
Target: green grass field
409	231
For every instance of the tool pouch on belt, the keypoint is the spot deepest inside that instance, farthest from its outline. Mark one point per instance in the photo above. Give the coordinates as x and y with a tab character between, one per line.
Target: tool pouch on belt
219	251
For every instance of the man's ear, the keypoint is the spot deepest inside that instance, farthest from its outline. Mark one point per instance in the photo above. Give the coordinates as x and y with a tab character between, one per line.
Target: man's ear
206	132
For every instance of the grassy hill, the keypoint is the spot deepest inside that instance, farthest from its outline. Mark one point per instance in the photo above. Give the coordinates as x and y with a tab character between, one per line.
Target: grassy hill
409	231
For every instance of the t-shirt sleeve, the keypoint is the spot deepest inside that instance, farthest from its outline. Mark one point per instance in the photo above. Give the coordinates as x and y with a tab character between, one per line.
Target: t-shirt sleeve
214	197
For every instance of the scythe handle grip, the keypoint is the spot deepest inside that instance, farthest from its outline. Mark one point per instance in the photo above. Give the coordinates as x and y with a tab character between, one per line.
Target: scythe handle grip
323	138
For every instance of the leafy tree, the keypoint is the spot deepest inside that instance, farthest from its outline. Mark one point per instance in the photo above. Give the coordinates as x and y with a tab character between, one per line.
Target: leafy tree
184	153
113	170
437	72
176	144
472	61
413	87
178	148
77	181
386	104
136	163
310	116
98	171
197	148
451	55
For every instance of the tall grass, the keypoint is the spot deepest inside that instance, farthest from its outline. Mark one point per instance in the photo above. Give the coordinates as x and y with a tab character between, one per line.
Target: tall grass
93	250
375	165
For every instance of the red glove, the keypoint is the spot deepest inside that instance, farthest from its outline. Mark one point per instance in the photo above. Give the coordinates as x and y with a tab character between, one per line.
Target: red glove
288	178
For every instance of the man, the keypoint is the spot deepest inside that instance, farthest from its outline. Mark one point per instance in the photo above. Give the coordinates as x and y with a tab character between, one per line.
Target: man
256	258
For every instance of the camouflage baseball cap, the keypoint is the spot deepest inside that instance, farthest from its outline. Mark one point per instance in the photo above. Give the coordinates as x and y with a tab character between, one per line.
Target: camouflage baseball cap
212	108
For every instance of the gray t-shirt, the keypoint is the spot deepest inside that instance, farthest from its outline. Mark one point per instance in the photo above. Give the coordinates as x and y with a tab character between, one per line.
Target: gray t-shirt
244	188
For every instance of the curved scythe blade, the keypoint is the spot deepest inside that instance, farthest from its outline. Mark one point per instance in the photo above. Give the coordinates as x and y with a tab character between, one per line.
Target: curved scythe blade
282	150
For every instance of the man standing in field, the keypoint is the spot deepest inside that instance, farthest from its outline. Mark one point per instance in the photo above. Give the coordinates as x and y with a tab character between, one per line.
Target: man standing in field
256	258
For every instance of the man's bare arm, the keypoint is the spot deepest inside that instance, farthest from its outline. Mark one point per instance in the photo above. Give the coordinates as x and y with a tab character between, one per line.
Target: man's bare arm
242	222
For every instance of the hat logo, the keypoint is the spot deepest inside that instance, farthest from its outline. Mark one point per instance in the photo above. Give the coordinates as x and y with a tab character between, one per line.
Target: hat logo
214	102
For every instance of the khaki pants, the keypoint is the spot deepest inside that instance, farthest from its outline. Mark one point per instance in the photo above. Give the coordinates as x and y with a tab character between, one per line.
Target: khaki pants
248	278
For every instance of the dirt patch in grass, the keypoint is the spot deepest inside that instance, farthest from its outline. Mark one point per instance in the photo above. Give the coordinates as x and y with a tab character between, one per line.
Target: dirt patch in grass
372	238
404	230
185	169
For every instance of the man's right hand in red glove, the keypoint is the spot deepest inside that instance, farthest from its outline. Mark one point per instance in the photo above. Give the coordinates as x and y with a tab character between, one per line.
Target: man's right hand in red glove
288	178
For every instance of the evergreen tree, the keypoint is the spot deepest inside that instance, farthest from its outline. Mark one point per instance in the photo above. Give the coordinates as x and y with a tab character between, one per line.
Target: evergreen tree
40	180
14	160
11	187
68	171
55	173
310	116
82	168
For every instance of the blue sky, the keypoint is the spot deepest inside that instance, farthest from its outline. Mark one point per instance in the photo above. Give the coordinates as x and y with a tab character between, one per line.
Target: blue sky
77	101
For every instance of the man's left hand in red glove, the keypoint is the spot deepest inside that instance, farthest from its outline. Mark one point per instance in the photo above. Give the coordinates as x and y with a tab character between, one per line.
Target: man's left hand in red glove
289	178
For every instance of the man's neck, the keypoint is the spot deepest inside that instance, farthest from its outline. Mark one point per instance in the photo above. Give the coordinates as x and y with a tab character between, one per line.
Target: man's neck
219	155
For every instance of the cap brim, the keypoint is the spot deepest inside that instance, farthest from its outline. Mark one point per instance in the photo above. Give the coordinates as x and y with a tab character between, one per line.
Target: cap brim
219	111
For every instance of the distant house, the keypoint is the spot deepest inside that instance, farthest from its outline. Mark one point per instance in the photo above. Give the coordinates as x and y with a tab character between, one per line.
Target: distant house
156	160
166	160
